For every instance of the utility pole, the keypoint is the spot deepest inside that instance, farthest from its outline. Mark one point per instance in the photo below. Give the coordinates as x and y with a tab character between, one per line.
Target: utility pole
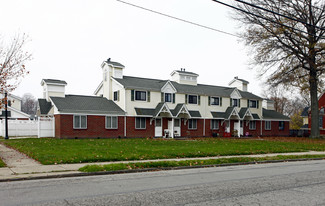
6	115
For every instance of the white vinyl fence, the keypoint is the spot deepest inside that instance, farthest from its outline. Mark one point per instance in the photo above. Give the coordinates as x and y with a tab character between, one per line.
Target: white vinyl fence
18	128
44	127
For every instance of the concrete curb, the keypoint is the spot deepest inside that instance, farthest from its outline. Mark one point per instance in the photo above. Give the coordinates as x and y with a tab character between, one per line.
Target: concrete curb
83	174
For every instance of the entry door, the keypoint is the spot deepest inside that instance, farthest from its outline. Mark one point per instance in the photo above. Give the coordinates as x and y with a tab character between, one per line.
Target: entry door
237	127
158	128
241	128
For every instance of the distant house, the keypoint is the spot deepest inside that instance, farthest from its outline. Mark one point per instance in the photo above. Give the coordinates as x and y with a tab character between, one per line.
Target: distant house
130	106
14	108
305	115
321	106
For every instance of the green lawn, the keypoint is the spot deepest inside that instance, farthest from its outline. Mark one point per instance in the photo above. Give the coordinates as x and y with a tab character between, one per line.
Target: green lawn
57	151
162	164
2	164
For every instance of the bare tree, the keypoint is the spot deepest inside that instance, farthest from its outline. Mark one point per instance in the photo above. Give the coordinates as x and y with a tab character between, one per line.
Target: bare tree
12	63
288	43
29	104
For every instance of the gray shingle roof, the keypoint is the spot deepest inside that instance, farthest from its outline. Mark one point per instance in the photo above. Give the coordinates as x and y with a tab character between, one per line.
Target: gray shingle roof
155	112
55	81
272	114
218	115
201	89
86	104
255	116
108	61
44	106
185	72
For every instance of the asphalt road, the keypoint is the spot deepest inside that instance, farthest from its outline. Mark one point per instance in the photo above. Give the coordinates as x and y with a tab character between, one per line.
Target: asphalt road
291	183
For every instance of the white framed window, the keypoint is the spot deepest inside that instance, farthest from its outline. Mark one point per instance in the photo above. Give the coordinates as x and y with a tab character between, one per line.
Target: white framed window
192	124
79	122
192	99
252	125
140	123
176	123
111	122
168	97
141	95
214	124
267	125
215	100
252	104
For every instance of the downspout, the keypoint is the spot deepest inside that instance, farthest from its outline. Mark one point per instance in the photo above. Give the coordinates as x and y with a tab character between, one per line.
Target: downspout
124	125
203	127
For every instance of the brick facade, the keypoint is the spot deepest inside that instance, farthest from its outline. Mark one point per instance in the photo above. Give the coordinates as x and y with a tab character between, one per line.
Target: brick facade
96	128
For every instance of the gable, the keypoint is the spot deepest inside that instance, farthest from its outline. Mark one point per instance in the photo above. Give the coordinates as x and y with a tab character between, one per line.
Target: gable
235	94
168	88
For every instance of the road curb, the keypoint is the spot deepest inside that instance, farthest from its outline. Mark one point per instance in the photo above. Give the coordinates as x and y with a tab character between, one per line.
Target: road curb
83	174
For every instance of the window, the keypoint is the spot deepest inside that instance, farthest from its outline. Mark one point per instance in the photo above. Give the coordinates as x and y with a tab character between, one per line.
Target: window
168	97
267	125
111	122
192	124
116	96
214	124
252	104
176	123
281	125
252	125
235	102
192	99
158	122
140	122
215	101
80	122
321	121
141	95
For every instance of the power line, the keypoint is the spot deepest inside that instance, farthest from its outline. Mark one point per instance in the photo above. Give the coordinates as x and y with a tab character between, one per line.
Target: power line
273	12
179	19
262	17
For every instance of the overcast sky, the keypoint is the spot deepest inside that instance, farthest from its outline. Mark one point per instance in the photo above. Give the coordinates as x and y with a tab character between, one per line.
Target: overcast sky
71	38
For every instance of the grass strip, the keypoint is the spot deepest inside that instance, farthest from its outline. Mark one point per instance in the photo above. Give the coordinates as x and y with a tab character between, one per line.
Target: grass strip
65	151
183	163
2	164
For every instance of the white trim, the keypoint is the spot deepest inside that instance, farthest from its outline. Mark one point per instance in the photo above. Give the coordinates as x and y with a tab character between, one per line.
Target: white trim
249	126
184	106
168	82
168	110
265	125
188	126
113	78
145	123
111	122
276	120
98	88
18	111
80	122
238	93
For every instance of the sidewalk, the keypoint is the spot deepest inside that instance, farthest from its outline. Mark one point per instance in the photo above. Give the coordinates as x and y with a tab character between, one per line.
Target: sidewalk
19	166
